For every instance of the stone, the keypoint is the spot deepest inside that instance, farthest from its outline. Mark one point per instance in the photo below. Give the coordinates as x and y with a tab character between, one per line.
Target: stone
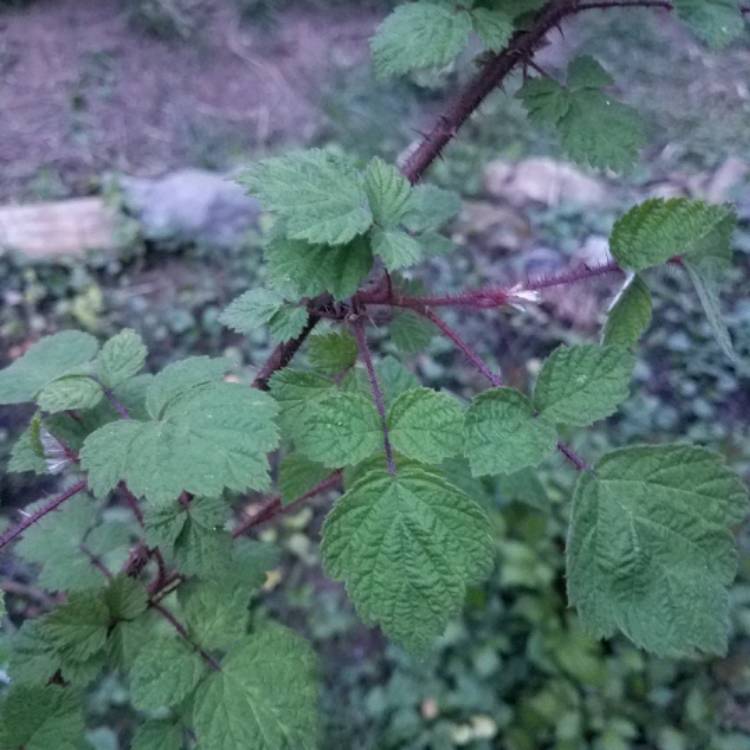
191	206
543	180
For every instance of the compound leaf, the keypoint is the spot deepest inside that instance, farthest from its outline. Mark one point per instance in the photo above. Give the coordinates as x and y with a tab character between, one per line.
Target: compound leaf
298	475
126	598
419	35
287	323
389	192
211	437
426	426
397	248
158	735
407	546
716	22
629	314
579	385
494	27
47	360
318	195
251	310
294	392
409	332
502	434
264	697
70	392
216	613
650	552
333	352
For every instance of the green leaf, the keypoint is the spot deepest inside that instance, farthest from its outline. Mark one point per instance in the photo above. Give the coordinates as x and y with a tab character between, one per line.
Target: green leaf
216	613
579	385
40	718
294	391
47	360
3	609
126	639
494	27
594	129
27	453
393	377
158	735
705	274
287	323
430	208
397	248
125	598
298	475
410	332
502	434
318	195
212	437
72	392
264	697
340	430
251	310
629	314
407	546
166	671
299	269
419	35
333	352
251	561
33	659
426	425
122	357
78	628
388	191
657	230
650	552
716	22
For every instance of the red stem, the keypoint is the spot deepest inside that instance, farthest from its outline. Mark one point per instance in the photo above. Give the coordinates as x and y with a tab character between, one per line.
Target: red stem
180	628
16	531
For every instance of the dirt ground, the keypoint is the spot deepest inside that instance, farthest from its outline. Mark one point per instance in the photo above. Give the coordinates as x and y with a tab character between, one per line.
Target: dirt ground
83	90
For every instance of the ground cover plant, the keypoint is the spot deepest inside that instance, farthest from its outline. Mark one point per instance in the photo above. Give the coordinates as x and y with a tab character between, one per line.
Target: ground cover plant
161	595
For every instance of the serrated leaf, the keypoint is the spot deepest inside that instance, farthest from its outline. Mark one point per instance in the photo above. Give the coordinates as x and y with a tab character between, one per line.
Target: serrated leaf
212	437
27	453
40	718
126	640
419	35
705	274
33	659
407	546
78	628
319	196
657	230
125	598
333	352
594	129
158	735
388	191
165	672
216	613
47	360
294	391
650	552
494	27
430	208
251	561
340	430
716	22
393	377
121	357
629	314
287	323
251	310
426	425
299	269
410	332
503	435
72	392
298	475
265	696
397	248
579	385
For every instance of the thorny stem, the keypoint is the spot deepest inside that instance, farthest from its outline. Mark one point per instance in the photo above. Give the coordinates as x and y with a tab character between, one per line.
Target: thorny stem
96	562
377	394
462	346
180	628
274	506
16	531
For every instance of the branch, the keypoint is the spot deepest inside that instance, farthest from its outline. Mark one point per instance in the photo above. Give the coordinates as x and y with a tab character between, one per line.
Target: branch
13	533
377	394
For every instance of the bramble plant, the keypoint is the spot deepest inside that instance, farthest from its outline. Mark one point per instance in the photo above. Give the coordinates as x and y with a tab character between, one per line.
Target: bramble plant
164	599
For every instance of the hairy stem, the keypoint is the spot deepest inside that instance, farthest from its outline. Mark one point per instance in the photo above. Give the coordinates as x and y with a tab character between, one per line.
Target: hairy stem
13	533
180	628
377	394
